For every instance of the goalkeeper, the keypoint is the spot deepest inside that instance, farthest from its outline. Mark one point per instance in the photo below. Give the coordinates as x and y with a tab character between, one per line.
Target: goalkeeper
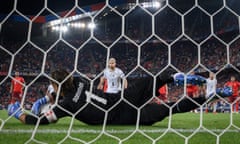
75	94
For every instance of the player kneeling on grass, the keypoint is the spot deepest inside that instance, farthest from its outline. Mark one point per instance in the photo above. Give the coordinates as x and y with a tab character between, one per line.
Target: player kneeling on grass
75	103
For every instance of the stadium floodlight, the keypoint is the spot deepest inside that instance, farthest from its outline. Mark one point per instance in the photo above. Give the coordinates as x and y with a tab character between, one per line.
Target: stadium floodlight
91	25
82	25
55	22
154	4
68	19
64	28
60	28
55	28
77	25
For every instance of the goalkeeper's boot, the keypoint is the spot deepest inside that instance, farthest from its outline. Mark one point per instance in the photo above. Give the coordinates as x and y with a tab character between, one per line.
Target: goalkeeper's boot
178	79
224	92
15	110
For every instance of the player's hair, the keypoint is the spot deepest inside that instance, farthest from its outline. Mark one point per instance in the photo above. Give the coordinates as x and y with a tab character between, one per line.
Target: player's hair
60	75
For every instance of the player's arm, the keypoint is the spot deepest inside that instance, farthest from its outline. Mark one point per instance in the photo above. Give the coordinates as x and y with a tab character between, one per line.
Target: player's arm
11	87
23	83
125	83
101	83
216	83
166	90
238	88
226	84
124	79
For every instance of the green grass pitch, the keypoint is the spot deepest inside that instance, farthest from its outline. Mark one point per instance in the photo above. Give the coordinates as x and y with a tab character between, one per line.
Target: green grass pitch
220	128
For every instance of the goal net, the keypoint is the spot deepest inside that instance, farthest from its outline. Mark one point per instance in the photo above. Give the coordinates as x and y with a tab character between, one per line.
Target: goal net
148	38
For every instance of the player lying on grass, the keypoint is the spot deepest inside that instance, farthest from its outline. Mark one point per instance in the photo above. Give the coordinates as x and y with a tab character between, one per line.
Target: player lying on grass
138	93
43	104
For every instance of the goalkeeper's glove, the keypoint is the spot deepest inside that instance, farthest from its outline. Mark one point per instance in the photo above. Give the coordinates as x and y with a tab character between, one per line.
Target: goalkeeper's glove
15	110
225	91
196	80
37	105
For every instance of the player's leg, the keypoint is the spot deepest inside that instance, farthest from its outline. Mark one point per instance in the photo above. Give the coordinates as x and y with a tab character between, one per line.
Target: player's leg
139	91
153	112
187	105
16	96
237	105
231	100
16	111
234	103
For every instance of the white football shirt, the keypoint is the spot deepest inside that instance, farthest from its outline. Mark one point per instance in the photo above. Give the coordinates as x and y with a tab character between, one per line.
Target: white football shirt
50	89
211	86
113	80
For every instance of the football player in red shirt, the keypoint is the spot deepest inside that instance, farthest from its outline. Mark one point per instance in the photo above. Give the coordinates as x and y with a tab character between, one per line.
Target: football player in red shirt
192	90
235	85
163	93
16	89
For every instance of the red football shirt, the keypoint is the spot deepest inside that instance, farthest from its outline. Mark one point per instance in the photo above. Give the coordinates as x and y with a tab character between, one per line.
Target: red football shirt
235	85
17	84
192	90
163	90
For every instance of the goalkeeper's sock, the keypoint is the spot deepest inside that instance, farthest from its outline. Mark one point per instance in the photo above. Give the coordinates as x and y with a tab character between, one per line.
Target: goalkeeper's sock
15	109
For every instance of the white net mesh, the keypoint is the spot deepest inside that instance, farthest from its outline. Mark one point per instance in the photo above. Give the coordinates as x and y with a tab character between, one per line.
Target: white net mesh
148	38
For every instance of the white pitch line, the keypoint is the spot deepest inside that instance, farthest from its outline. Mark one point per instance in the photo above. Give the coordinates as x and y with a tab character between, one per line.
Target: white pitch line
45	131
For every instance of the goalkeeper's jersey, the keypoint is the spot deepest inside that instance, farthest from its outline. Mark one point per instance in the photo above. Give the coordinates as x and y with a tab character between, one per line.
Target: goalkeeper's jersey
87	105
76	102
119	109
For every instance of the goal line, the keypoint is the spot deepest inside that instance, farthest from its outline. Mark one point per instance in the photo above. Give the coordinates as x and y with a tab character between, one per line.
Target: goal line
112	131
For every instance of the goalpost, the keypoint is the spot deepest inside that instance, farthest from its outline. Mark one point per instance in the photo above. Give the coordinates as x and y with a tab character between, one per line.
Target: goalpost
148	38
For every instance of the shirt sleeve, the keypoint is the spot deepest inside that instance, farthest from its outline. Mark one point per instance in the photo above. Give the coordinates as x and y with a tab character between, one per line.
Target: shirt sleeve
105	73
122	75
23	80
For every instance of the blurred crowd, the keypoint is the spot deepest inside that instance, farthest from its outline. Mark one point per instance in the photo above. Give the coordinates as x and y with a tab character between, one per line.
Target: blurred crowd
135	58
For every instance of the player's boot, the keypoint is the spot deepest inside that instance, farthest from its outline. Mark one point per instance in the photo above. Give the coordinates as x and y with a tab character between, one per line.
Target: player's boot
15	110
178	78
